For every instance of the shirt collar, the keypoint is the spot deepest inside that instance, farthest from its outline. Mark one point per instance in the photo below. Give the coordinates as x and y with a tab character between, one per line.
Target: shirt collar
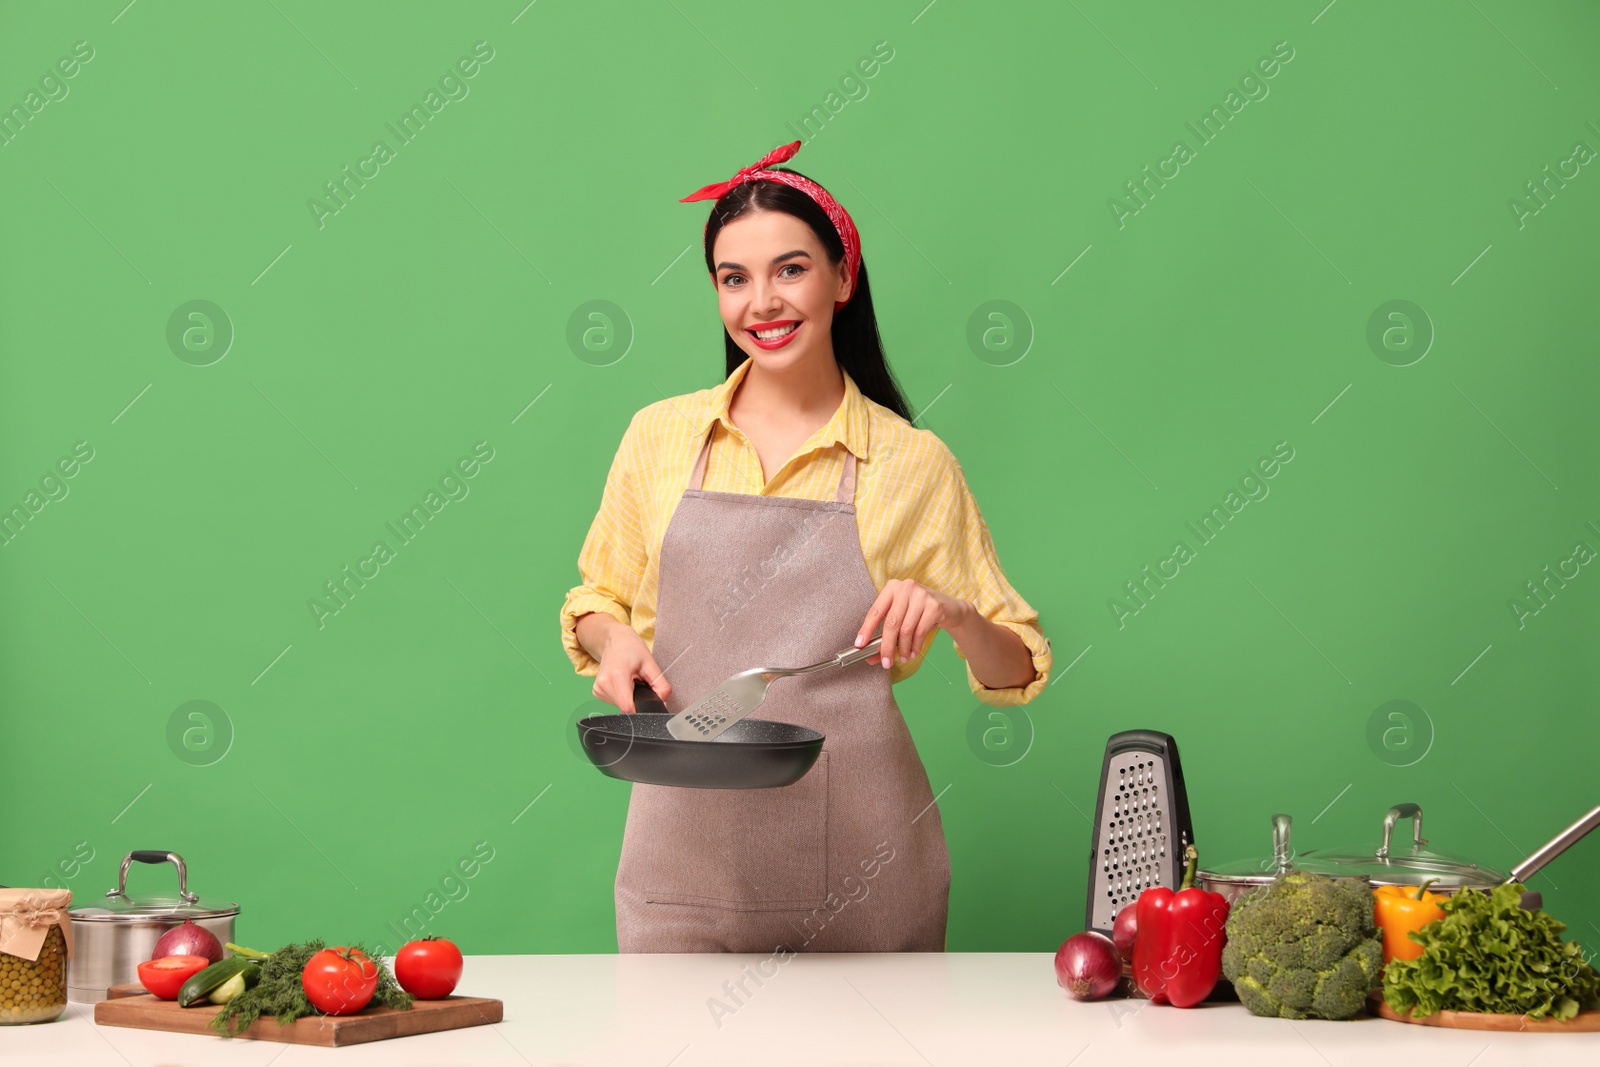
849	425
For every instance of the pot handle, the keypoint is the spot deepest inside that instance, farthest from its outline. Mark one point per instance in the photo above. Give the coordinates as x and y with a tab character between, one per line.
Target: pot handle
1281	853
154	856
1395	814
1557	845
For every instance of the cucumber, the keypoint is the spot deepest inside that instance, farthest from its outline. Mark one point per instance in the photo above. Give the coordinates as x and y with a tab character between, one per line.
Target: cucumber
202	985
236	985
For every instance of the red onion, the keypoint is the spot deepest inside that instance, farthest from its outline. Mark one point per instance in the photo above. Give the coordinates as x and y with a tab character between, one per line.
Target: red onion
187	939
1123	930
1087	965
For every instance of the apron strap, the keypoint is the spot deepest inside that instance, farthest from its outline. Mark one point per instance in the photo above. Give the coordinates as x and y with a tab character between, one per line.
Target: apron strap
847	479
698	474
844	494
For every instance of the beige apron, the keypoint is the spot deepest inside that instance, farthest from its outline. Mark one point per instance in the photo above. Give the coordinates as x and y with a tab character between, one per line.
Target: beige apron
852	857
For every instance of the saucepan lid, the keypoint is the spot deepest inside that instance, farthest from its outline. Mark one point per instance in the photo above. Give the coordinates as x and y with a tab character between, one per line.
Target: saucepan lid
1258	870
1388	864
1398	862
121	906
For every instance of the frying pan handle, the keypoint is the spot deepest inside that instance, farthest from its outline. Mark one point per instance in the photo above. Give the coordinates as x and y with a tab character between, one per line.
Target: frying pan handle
645	699
1556	846
1395	814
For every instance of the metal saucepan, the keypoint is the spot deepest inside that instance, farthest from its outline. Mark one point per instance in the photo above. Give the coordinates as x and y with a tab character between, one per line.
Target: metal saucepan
1390	864
750	754
109	941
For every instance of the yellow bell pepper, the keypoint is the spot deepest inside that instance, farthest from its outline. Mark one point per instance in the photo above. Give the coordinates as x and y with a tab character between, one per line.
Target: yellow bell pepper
1400	909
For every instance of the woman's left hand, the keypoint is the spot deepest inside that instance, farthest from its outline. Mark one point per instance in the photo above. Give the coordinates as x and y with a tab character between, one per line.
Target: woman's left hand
911	613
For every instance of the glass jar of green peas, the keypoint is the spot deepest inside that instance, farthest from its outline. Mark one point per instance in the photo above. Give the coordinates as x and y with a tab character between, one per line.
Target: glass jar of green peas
33	954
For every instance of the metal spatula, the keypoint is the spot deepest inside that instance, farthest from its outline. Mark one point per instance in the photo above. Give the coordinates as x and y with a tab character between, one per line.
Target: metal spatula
743	693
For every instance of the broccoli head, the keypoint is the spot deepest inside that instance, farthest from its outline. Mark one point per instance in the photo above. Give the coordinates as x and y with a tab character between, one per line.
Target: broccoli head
1304	946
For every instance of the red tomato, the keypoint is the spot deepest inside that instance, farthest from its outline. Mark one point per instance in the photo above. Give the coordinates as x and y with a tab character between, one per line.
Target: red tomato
165	975
428	969
339	980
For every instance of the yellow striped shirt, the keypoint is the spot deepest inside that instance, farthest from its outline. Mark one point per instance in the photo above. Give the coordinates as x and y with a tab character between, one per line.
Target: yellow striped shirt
917	518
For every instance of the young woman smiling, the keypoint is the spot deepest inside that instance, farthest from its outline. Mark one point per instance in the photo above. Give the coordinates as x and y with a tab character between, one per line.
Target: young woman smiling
772	520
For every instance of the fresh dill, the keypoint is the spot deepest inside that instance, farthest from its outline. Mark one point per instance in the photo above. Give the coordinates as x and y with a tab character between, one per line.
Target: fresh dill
279	991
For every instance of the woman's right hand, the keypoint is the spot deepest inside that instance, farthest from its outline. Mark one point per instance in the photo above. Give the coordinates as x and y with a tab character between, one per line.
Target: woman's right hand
624	658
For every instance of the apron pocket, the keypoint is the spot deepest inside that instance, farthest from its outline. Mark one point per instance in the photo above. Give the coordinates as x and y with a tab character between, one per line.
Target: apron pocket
743	849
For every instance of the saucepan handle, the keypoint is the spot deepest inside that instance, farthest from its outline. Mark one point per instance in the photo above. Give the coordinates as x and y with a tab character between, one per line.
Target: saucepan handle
1556	846
1395	814
1282	849
154	855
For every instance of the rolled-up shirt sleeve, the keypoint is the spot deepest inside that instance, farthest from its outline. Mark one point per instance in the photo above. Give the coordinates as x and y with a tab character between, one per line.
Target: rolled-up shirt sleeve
963	564
612	560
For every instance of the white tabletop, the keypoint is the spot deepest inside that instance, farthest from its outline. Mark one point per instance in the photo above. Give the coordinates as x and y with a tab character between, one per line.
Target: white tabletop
918	1009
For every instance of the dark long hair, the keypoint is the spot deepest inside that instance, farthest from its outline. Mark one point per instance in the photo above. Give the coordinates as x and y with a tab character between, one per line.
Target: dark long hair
856	344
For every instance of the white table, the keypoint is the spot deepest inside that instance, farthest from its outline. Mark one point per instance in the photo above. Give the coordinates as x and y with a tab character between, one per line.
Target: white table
999	1009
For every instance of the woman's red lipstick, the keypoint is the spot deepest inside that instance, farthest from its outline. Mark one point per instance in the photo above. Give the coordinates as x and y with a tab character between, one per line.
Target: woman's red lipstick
777	342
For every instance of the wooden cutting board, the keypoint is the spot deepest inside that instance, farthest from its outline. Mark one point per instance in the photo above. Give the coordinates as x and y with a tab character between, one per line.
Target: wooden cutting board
130	1005
1583	1022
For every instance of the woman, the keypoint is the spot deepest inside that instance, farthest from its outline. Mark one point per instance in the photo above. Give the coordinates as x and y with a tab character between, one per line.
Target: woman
772	521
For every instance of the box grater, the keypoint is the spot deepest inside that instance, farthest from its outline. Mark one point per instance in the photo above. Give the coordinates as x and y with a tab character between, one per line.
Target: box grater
1141	824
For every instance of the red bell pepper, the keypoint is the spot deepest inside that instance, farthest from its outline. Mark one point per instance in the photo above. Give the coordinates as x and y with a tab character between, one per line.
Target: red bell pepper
1177	951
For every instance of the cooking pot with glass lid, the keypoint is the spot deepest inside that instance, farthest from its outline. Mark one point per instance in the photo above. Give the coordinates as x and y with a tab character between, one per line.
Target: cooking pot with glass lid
1393	862
110	940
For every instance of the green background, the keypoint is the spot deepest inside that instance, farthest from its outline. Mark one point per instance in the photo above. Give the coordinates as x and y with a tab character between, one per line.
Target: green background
344	770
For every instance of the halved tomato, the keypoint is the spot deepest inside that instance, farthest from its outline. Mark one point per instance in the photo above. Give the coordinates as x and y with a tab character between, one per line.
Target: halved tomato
165	976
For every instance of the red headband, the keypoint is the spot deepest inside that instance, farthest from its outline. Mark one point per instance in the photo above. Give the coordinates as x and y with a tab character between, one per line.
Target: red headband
838	215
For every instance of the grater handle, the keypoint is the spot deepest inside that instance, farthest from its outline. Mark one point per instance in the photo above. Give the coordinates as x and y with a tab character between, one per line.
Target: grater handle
1281	853
1394	815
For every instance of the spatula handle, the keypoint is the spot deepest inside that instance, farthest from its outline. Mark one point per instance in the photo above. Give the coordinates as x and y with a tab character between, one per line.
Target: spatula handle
866	651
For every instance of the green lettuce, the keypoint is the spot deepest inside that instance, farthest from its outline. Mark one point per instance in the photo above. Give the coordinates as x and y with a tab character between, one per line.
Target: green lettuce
1490	954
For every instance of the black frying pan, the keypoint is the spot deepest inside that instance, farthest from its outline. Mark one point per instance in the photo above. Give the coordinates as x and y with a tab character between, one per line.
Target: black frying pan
750	754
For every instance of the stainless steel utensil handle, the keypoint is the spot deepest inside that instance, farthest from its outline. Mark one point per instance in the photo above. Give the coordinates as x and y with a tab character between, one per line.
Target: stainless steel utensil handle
1557	845
843	659
866	651
154	856
1395	814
